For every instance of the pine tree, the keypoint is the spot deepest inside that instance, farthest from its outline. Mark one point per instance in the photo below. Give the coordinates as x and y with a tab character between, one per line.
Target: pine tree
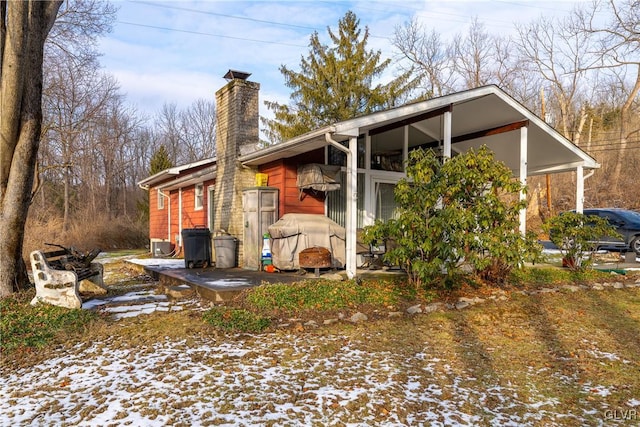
160	161
335	83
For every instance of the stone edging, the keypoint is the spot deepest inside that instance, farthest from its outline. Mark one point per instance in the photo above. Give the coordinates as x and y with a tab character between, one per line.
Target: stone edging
462	303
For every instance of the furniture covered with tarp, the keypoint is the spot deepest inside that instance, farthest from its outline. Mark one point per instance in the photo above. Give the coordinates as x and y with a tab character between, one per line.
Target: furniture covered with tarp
296	232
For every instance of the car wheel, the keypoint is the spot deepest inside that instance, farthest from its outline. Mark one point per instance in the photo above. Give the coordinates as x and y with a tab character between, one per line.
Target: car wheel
635	245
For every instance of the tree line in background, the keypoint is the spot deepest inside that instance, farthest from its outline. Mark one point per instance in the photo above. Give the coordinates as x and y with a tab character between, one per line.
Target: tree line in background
582	78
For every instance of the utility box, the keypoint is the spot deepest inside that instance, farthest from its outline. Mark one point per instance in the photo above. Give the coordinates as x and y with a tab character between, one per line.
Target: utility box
197	247
260	210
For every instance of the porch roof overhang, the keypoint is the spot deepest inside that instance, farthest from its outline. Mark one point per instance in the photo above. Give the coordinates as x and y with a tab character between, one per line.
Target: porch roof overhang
480	116
170	178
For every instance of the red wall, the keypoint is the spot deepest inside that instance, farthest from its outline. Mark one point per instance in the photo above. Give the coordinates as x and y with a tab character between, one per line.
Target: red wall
158	218
283	175
191	218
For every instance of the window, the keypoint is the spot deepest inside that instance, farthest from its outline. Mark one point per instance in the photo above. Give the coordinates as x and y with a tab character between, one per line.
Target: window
199	196
160	197
339	158
387	151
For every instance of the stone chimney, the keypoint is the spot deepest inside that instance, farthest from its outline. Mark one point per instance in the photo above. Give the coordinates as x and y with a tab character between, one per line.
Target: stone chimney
237	133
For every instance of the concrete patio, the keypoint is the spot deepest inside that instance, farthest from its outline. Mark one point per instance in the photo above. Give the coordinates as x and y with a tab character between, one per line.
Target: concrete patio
217	284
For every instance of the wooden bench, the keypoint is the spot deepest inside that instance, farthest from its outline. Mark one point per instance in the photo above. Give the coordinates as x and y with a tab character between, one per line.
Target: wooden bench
59	278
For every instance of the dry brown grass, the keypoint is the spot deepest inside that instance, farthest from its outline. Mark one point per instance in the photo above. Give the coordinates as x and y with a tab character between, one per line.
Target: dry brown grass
577	351
84	233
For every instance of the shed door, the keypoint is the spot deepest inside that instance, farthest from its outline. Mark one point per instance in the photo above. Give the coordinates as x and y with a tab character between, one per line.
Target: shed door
260	209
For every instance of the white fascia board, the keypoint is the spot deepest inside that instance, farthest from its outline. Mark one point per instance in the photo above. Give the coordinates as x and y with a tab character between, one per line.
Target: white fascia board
558	168
190	179
286	145
148	182
588	161
348	127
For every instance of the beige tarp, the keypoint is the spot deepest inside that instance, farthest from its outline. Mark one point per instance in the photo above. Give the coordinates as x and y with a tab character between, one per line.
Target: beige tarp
294	233
314	176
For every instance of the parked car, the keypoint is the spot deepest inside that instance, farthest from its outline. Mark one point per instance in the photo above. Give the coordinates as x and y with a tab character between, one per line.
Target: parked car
626	223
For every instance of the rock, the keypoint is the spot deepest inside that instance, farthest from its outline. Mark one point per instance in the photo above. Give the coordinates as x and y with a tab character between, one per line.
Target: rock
328	322
311	323
433	307
87	287
462	304
572	288
332	276
358	317
618	285
414	309
179	292
547	290
395	314
597	287
470	301
341	316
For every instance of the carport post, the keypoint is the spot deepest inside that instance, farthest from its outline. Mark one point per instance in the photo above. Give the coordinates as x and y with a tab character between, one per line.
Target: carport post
579	189
352	199
523	177
446	149
352	206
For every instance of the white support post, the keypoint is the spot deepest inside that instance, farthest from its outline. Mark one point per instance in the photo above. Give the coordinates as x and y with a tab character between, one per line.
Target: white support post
446	153
179	218
523	176
351	221
579	189
352	207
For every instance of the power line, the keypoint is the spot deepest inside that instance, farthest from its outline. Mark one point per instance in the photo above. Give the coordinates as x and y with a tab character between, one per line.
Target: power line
223	15
244	18
208	34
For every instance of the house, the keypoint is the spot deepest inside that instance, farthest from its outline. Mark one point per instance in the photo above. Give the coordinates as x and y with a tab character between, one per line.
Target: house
369	152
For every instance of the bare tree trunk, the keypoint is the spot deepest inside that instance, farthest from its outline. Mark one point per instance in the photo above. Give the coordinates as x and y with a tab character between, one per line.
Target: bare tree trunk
25	27
624	131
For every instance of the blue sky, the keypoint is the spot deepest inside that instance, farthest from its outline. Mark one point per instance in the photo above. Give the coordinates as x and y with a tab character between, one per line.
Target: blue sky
178	51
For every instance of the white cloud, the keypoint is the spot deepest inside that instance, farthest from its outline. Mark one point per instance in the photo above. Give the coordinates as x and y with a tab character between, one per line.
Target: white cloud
179	51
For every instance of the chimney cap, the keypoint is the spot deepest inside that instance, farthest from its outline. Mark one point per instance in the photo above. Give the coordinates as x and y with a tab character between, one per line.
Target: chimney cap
235	74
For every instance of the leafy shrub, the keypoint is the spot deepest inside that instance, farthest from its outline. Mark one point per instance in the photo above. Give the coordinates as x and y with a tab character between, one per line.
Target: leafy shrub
461	213
238	320
576	235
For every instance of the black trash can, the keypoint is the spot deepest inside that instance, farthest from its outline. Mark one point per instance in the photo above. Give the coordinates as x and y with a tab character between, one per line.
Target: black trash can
197	247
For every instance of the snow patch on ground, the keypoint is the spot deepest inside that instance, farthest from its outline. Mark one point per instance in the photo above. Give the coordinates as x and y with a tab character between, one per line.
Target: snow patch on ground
136	303
285	379
163	263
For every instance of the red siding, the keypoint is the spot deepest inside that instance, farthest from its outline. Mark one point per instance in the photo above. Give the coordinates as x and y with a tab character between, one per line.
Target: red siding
190	216
174	215
283	175
158	218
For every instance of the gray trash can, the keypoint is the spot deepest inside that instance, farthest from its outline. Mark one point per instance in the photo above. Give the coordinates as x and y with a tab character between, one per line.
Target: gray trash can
225	247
